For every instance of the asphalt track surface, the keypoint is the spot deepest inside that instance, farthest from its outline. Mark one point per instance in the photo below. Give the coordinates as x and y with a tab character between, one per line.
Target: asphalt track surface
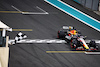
45	27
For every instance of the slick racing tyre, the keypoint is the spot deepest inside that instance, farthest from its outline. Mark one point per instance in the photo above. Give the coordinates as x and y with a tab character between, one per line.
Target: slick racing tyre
75	43
61	34
92	44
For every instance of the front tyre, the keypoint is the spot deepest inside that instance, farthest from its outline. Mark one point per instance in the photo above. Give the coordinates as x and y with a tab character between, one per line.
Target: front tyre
92	44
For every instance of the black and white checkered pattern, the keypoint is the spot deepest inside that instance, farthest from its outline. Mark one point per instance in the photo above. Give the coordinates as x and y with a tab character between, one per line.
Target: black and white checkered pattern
19	37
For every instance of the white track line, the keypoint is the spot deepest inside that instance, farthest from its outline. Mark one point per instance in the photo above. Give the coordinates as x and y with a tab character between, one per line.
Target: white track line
38	41
42	10
92	53
16	8
45	41
33	13
88	41
23	12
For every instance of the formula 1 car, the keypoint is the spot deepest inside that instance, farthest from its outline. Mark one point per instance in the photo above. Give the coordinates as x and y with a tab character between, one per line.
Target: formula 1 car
75	39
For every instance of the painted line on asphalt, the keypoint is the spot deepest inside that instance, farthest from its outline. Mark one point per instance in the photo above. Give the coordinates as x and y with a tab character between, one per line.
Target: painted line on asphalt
74	52
10	12
96	41
65	51
24	12
19	30
42	10
44	41
16	8
70	10
92	53
22	30
33	13
38	41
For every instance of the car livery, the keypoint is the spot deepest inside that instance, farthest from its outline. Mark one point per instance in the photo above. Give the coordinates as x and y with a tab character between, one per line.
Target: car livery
75	39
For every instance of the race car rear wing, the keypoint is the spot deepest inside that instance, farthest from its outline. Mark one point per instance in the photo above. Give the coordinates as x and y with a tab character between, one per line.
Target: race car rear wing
68	27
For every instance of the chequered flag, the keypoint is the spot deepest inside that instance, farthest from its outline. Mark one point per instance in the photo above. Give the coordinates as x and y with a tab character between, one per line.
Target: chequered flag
19	37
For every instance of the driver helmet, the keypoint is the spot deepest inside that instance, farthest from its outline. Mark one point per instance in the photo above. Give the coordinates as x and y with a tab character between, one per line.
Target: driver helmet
73	32
70	27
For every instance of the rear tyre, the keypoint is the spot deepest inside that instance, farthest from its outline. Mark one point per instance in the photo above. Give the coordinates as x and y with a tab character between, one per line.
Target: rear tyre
61	34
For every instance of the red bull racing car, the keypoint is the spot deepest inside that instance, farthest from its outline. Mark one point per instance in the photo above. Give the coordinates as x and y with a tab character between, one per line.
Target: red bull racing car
75	39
